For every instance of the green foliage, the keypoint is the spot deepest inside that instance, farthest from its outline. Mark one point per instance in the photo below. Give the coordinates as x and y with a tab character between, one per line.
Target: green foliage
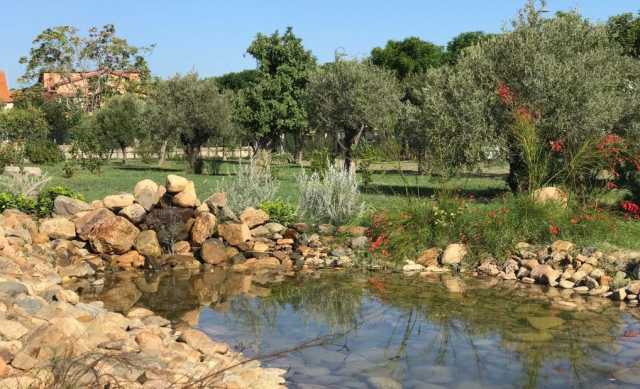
41	206
10	154
564	69
458	44
252	185
190	108
68	169
409	56
366	154
236	81
275	103
23	124
625	30
320	159
89	146
47	197
349	98
20	202
280	211
43	152
119	121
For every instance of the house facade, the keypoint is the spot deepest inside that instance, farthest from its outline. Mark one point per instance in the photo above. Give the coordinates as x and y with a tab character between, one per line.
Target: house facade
6	101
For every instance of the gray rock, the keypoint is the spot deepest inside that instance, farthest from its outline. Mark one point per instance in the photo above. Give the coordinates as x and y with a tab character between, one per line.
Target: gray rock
67	206
12	288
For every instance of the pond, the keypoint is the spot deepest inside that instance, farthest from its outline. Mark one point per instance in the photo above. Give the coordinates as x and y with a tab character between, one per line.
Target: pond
346	330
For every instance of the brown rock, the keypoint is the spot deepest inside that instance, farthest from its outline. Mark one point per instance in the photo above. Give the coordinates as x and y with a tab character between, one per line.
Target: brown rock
130	260
234	233
176	184
429	257
187	198
58	228
254	217
182	247
201	342
216	200
134	212
147	244
353	230
203	227
213	252
454	254
562	246
113	236
67	206
90	220
146	194
550	194
118	201
545	274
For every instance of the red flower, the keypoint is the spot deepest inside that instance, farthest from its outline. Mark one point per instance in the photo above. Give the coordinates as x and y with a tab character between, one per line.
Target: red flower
631	207
524	114
557	145
505	94
611	185
554	230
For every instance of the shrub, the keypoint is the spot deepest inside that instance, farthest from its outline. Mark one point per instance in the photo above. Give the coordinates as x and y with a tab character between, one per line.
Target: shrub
279	211
90	147
23	124
333	198
10	154
68	169
252	185
20	202
43	152
23	184
47	197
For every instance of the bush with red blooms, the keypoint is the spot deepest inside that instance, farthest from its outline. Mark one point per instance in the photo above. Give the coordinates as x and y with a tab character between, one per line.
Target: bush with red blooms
631	209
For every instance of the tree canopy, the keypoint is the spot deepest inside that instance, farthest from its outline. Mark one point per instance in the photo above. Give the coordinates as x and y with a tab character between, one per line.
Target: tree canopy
625	30
459	43
409	56
120	121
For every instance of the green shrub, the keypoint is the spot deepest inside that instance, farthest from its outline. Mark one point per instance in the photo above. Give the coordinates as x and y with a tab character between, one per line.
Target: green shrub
20	202
10	154
44	206
68	169
252	185
280	211
43	152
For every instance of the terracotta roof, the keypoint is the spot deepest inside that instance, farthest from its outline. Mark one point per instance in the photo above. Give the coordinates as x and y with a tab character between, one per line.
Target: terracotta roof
73	77
5	95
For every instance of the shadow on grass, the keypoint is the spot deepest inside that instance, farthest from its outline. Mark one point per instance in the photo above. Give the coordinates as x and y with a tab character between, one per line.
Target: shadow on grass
146	168
425	191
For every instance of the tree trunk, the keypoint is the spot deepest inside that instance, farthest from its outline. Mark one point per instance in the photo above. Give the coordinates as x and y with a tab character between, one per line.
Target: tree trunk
124	154
517	180
163	152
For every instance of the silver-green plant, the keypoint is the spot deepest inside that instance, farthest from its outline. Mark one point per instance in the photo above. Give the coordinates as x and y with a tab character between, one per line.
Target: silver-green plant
252	185
23	183
333	197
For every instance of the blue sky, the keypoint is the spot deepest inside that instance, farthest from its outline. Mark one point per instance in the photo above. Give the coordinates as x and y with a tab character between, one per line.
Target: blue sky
212	36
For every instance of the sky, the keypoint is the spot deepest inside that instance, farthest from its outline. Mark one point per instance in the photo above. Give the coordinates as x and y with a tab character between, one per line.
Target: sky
211	36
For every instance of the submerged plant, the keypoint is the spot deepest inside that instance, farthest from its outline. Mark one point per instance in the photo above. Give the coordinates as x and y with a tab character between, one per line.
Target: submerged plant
333	198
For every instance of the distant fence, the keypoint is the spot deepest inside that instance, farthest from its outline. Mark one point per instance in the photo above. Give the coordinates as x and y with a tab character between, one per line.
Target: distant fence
206	152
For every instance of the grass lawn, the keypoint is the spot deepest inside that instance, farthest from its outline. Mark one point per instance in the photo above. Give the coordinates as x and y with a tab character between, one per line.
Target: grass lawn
391	188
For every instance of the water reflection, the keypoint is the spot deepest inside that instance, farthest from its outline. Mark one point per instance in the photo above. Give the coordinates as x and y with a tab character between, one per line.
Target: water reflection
398	331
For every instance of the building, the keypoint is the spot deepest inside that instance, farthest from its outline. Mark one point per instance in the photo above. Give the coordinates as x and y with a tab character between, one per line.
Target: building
6	102
83	84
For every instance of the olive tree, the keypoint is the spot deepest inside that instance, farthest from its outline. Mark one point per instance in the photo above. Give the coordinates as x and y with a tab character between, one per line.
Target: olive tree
194	109
120	121
348	98
565	70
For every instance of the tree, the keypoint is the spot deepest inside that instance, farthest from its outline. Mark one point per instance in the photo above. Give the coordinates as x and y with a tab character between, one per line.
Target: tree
625	30
120	121
89	145
563	70
192	108
60	49
275	104
20	125
458	44
237	81
409	56
349	98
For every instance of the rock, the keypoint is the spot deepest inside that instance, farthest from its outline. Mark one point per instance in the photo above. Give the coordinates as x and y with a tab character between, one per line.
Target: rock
359	243
566	284
213	252
590	283
176	184
12	330
134	212
201	342
146	194
429	257
187	198
32	171
130	260
634	287
489	267
67	206
412	267
562	246
113	236
578	276
118	201
216	201
234	233
550	194
171	224
326	229
545	274
58	228
182	247
597	274
203	227
68	296
139	313
147	244
90	220
545	322
254	217
619	294
11	170
96	204
353	230
454	254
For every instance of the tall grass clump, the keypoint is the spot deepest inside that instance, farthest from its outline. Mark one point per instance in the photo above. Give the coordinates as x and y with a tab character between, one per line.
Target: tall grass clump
252	185
333	197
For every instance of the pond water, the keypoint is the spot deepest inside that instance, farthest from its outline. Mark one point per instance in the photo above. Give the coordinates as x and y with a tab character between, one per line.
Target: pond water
359	330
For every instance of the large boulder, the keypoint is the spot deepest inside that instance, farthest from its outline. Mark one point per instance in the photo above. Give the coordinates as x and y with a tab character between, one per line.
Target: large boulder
254	217
58	228
203	227
454	254
118	201
134	212
176	184
129	260
234	233
67	206
550	194
545	274
146	193
172	224
147	244
216	200
187	198
89	220
113	236
213	252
